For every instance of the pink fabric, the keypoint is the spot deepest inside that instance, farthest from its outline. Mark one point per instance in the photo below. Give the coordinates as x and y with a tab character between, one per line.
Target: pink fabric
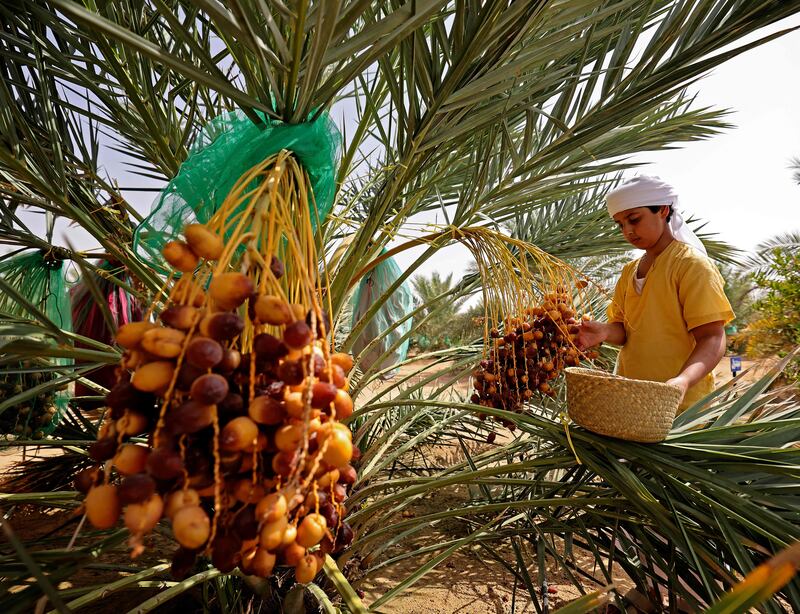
88	321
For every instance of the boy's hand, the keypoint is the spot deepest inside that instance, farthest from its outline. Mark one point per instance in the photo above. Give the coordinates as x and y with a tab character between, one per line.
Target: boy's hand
679	382
590	334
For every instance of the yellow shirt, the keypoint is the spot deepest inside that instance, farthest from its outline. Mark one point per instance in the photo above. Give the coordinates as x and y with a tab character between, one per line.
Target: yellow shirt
683	290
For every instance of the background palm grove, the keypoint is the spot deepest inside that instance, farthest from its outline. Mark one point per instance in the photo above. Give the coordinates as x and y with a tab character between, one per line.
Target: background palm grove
509	114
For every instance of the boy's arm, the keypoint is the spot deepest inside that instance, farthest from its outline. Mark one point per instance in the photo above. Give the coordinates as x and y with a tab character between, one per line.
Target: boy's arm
708	350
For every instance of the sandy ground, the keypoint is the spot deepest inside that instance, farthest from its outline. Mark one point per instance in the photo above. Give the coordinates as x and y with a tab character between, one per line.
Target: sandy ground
751	370
472	581
12	454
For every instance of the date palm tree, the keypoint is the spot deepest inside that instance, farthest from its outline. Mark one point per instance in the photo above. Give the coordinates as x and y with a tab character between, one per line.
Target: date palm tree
435	330
498	113
795	166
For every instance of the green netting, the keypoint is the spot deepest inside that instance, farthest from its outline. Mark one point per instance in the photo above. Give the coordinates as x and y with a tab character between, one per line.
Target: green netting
39	278
225	149
382	325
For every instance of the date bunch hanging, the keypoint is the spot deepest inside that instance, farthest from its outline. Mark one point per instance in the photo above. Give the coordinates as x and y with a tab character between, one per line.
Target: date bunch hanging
530	320
226	419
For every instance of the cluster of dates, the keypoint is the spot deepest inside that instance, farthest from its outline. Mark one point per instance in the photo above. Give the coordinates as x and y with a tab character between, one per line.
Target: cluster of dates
36	415
239	401
534	350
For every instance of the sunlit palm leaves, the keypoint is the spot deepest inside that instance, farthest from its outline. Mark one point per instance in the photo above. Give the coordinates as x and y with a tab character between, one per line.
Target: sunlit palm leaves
487	112
761	261
795	166
710	501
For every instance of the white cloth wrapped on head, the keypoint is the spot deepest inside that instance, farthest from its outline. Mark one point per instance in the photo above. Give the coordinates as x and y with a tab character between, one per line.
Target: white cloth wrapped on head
647	191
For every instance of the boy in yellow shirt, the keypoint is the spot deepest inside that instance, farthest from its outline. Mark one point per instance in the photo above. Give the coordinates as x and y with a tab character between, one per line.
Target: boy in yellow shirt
669	309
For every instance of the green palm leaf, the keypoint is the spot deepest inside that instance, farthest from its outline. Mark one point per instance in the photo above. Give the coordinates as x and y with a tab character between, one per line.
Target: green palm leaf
512	115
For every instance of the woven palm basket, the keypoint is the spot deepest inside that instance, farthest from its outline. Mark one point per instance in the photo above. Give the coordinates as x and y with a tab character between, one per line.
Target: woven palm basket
635	410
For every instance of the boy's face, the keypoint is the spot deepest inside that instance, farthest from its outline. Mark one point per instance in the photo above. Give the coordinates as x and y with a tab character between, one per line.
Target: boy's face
641	227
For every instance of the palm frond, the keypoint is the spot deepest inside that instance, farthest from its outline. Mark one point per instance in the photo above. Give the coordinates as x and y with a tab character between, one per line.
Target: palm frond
761	260
707	501
795	165
509	115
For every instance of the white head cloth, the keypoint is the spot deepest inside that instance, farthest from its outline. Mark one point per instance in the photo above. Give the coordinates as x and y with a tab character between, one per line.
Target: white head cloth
645	191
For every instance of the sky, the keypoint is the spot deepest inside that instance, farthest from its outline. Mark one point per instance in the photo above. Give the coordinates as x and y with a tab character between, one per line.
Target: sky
738	181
